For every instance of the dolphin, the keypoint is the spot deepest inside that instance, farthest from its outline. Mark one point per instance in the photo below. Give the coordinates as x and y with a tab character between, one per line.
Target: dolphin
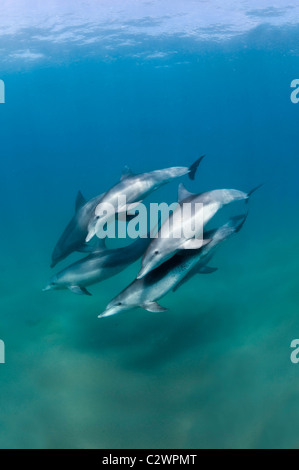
96	267
173	235
134	188
201	267
145	292
73	237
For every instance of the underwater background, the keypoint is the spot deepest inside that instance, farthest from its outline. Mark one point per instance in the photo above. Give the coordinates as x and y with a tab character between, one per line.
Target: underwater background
89	88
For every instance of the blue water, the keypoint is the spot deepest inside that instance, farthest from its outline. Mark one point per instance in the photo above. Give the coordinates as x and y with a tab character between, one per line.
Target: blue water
214	370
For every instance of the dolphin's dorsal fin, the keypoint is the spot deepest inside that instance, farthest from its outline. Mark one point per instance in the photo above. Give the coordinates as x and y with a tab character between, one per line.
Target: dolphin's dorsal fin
126	173
183	193
80	201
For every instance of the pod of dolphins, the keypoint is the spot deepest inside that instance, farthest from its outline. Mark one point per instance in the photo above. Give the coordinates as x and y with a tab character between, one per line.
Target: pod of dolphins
167	261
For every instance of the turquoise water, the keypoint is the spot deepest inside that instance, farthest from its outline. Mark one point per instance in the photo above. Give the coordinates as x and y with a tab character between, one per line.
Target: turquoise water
214	370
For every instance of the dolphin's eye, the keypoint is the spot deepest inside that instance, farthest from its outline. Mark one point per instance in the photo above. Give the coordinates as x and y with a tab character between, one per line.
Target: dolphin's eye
97	217
156	252
119	303
52	284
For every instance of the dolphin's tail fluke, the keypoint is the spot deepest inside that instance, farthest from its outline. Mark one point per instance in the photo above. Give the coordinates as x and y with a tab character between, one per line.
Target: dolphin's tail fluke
253	191
194	166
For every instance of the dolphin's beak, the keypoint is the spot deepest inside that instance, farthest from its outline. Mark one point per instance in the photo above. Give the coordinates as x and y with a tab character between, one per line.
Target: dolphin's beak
48	287
108	312
143	271
90	235
91	230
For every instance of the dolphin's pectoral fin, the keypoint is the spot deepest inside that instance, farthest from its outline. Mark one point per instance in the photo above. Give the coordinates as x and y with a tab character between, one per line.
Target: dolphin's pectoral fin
126	173
80	201
153	307
207	270
79	290
183	193
193	244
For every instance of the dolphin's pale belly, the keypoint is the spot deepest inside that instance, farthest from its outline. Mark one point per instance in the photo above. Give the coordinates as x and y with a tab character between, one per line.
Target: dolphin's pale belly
138	187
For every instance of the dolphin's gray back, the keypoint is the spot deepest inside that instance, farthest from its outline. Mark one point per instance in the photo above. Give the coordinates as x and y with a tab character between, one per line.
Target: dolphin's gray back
137	187
220	196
